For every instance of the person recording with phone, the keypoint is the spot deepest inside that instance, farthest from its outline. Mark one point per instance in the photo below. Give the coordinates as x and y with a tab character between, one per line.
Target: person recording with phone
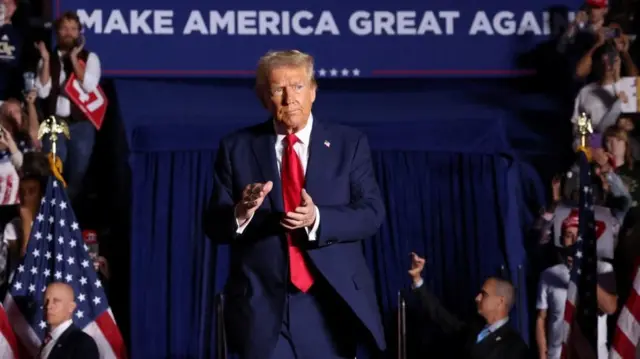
69	57
16	131
588	32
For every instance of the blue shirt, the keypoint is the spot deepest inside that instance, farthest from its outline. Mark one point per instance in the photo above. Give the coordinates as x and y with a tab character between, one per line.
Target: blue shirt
491	328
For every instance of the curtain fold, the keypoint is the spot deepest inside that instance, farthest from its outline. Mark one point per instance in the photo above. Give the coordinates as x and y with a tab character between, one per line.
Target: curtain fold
451	208
175	270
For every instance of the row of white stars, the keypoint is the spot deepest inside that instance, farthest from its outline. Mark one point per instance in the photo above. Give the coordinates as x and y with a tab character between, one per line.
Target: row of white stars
59	258
58	275
337	72
72	243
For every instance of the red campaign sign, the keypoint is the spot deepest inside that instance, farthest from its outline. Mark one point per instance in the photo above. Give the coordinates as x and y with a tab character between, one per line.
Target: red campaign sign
92	104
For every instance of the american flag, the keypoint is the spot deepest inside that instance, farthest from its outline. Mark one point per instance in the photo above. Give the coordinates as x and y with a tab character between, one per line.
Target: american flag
580	313
56	253
8	342
625	339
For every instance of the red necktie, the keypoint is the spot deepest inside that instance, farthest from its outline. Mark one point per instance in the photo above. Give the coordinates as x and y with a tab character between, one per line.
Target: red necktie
47	339
292	177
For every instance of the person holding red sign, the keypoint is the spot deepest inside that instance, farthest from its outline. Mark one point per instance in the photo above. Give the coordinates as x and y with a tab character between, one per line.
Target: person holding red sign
70	64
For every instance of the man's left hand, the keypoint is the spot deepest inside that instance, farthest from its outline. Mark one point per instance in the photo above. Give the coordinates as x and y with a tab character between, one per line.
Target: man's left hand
76	51
301	217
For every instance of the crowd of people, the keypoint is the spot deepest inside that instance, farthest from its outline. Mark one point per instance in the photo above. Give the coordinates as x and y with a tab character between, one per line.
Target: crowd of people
605	70
25	160
599	46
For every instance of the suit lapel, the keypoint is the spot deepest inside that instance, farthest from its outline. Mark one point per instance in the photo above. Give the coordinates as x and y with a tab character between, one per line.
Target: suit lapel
491	340
318	159
60	343
265	154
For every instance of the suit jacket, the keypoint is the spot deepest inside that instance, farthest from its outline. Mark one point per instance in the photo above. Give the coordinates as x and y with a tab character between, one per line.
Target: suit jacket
341	182
74	344
504	343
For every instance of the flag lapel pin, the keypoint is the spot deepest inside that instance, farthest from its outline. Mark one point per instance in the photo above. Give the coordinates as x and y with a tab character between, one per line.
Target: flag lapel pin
327	143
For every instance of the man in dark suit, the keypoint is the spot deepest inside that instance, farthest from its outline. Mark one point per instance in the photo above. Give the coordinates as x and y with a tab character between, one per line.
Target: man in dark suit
294	197
491	338
64	340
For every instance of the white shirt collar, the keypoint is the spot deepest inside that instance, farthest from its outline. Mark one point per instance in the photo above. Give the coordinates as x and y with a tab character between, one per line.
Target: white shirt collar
57	331
497	325
304	135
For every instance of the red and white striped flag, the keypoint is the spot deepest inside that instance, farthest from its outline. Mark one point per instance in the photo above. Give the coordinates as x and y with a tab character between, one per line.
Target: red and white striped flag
8	343
627	335
56	253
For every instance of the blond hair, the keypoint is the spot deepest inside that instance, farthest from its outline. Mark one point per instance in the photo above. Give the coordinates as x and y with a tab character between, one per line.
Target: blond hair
277	59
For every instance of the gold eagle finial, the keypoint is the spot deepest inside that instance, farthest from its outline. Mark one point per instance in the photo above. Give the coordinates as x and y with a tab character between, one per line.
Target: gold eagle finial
53	127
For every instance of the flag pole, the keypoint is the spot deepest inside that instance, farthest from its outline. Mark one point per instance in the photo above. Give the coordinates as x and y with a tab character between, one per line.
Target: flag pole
402	327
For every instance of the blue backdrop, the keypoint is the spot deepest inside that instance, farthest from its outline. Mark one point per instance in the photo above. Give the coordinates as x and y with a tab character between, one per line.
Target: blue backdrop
361	38
454	159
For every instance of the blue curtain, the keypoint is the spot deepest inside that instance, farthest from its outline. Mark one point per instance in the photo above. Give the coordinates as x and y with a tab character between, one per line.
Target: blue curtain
175	271
462	211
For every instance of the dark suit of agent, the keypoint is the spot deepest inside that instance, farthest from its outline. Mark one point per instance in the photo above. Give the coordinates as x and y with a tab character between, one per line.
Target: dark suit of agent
64	340
492	338
294	197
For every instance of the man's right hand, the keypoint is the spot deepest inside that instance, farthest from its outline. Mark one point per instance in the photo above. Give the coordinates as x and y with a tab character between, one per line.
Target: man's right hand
42	49
417	265
252	197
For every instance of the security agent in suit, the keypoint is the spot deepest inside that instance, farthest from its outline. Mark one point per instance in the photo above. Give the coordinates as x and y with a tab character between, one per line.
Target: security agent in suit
492	338
64	340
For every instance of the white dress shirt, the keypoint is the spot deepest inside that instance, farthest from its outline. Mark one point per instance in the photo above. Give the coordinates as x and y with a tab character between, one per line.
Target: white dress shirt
552	296
90	82
302	149
55	335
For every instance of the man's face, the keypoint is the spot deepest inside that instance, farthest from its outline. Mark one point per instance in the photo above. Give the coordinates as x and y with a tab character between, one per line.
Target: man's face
58	304
68	33
30	193
289	96
597	14
487	301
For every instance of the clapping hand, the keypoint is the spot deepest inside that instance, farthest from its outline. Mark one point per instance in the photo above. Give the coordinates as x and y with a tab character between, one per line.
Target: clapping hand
42	49
252	198
77	49
301	217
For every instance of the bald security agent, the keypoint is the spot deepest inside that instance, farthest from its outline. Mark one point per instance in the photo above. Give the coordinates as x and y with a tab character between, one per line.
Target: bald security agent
490	337
63	339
